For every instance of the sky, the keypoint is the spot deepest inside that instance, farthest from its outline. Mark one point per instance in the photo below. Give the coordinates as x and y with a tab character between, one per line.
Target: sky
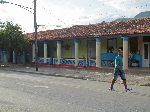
56	14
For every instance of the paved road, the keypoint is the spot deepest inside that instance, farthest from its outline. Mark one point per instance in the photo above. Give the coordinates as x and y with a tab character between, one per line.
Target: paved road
25	92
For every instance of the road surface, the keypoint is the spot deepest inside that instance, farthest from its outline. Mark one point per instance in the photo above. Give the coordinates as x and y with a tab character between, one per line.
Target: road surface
25	92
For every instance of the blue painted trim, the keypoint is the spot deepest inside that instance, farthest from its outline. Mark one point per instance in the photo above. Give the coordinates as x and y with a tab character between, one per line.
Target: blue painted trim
98	39
81	62
125	38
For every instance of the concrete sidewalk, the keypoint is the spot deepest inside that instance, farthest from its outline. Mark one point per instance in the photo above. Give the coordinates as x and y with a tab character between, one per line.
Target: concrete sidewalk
102	75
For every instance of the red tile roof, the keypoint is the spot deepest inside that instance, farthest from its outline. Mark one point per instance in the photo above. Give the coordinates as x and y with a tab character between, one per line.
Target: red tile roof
136	26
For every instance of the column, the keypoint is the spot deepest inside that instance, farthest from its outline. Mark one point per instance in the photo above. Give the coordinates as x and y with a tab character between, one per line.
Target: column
140	44
5	56
140	48
33	52
125	52
24	57
59	51
45	52
98	52
14	57
76	41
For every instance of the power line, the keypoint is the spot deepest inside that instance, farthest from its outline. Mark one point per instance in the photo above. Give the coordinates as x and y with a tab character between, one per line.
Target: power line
29	9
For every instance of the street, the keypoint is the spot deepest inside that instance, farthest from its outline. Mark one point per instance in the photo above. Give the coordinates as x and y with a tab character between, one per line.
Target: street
26	92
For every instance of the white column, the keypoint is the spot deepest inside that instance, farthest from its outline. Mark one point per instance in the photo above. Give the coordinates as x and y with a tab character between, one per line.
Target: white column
98	52
33	52
76	41
58	51
45	52
125	53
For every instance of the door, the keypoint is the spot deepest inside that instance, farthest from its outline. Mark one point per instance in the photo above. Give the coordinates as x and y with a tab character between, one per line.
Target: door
146	55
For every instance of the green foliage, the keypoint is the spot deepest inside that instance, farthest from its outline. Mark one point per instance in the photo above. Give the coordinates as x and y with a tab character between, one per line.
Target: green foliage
12	38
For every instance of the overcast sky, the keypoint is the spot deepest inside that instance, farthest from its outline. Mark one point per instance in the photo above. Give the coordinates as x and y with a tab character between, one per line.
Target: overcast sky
66	13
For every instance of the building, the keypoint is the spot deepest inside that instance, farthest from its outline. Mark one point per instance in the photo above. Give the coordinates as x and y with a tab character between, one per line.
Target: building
95	45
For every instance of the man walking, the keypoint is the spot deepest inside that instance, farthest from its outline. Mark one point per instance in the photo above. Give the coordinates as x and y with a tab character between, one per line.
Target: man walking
118	70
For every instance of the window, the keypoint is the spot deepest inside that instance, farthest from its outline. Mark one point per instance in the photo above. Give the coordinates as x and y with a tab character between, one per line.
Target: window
111	44
146	39
133	45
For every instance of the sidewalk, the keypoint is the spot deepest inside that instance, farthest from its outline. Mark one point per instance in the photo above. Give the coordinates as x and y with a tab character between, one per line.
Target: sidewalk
134	77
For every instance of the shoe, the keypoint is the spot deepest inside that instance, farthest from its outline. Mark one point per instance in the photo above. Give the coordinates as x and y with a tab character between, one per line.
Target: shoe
128	89
111	89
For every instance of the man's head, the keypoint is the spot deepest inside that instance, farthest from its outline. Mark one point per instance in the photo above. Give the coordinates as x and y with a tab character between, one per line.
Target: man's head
120	51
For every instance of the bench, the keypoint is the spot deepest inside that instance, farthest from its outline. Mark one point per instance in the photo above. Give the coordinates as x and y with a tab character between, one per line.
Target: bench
135	61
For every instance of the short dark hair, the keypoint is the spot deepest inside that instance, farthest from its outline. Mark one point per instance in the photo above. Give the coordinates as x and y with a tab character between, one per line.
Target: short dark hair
120	49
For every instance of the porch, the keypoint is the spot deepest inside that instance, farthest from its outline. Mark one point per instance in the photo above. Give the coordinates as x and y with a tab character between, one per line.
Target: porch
88	53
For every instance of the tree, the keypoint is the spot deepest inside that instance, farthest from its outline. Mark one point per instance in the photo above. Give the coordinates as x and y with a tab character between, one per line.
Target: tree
12	38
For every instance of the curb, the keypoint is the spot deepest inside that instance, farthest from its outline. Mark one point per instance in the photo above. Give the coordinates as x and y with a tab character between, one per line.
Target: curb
54	75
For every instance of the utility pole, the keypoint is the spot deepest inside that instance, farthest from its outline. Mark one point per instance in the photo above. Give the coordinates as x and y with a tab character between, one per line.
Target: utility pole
35	35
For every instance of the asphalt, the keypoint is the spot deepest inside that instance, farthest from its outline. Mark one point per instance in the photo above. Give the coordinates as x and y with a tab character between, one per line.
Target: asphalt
29	92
